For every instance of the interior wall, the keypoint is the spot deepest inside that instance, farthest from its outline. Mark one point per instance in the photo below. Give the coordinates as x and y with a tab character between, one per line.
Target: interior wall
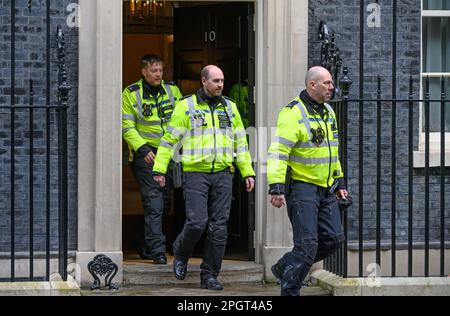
137	45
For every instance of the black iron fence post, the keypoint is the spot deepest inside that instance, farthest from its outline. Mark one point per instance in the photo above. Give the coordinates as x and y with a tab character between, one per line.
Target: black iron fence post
442	179
63	97
31	182
344	84
410	177
13	128
47	161
361	143
378	190
394	139
427	172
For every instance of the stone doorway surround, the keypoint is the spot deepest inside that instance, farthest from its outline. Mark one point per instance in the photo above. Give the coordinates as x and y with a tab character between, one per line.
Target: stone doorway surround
99	135
281	61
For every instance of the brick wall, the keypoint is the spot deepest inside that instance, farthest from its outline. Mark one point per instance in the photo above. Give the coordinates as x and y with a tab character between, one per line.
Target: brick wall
30	54
344	17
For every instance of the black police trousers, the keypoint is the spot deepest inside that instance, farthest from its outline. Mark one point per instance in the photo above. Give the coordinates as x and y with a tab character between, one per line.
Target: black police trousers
317	232
208	202
155	200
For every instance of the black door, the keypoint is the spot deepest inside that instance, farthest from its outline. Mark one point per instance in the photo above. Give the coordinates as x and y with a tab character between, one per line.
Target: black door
220	34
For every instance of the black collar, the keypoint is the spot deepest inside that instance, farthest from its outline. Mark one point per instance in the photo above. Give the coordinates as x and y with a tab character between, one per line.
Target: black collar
211	101
312	106
151	91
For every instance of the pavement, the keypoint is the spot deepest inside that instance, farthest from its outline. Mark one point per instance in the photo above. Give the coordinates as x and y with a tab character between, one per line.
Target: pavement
244	289
143	278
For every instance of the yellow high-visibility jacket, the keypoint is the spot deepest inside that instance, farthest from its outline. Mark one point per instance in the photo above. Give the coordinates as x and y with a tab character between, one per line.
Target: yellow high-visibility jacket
293	146
209	140
144	118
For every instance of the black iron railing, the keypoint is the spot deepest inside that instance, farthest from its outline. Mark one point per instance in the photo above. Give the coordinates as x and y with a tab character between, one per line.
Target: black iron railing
397	194
63	98
339	263
44	241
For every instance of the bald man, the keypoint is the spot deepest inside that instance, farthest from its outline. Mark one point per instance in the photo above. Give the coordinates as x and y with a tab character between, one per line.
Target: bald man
210	130
304	172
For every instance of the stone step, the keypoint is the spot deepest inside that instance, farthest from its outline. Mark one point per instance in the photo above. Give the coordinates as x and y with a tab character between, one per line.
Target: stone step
237	289
143	273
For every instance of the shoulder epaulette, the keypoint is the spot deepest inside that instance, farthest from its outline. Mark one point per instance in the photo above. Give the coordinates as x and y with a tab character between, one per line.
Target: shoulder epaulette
171	83
231	99
186	96
292	104
133	87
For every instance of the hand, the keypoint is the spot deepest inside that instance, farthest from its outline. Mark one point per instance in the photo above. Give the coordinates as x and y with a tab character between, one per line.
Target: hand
150	158
277	200
342	194
249	183
161	180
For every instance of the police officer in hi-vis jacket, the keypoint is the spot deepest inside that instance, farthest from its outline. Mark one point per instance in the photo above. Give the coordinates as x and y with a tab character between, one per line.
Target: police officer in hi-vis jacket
306	149
147	107
211	131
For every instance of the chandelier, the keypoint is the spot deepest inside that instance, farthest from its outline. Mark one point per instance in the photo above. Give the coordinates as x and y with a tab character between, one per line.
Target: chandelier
146	8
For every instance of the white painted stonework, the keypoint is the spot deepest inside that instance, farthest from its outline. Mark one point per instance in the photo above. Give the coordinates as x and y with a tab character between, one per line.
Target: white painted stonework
282	59
100	133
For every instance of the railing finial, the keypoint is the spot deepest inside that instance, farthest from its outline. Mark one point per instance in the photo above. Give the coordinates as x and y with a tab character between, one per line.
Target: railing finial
63	86
344	83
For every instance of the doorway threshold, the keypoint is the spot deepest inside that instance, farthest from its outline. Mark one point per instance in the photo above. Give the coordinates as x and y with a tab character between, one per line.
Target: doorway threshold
145	272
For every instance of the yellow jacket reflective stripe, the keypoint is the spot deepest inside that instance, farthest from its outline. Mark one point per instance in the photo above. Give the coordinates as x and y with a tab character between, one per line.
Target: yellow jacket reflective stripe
292	146
209	140
144	120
